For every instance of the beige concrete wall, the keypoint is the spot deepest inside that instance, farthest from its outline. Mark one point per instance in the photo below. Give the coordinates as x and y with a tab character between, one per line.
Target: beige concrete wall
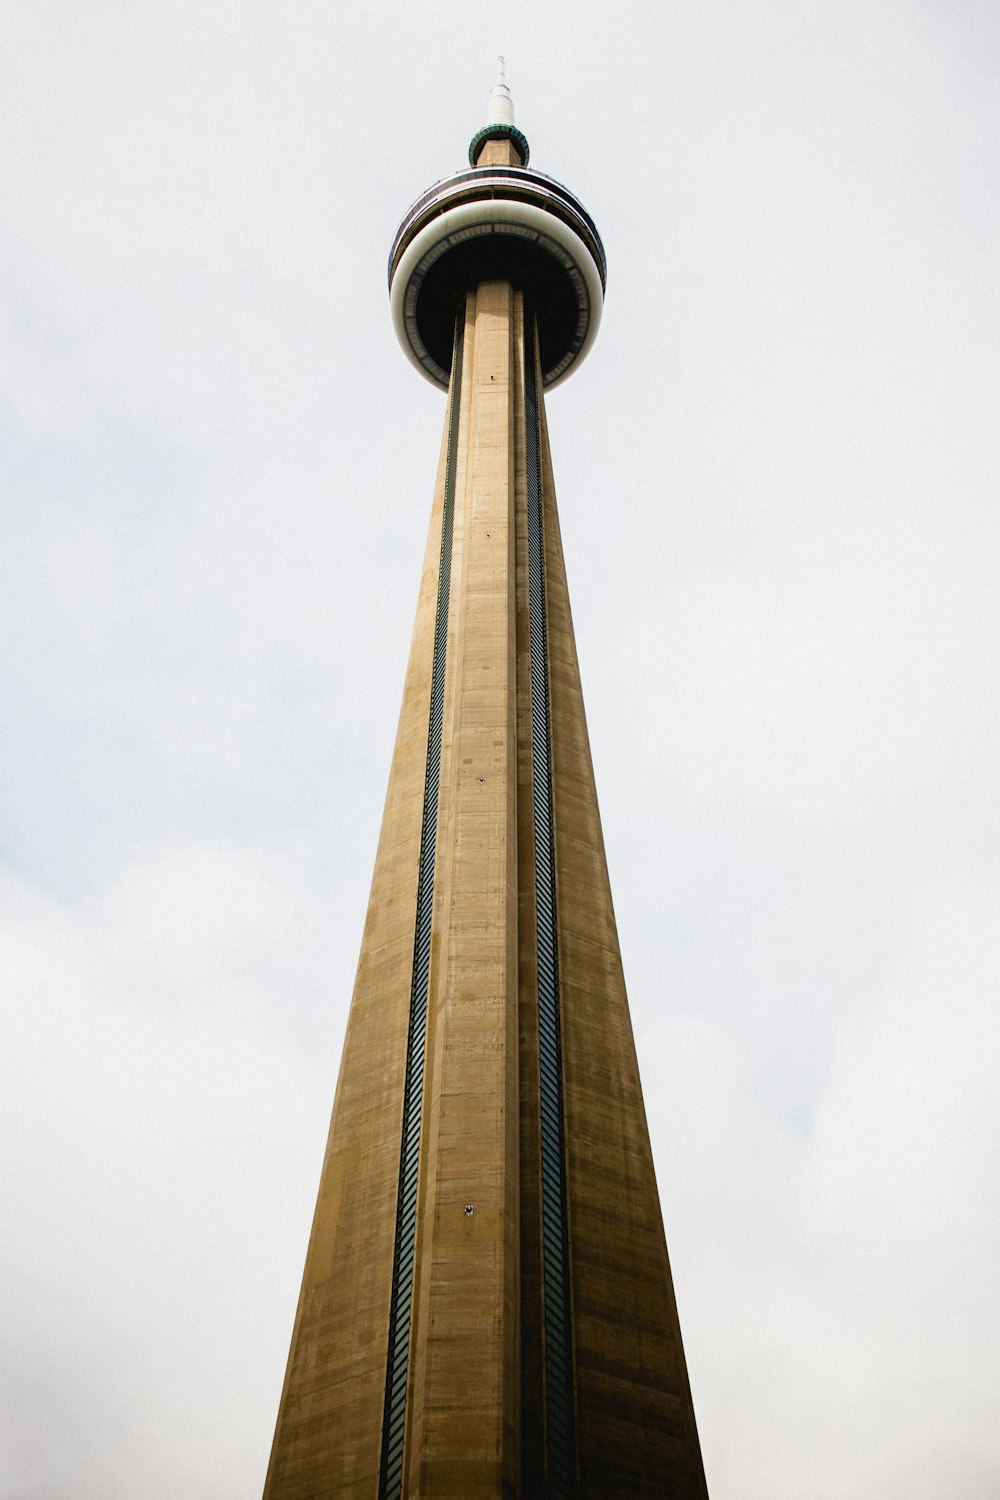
499	154
474	1425
636	1432
328	1435
532	1332
462	1439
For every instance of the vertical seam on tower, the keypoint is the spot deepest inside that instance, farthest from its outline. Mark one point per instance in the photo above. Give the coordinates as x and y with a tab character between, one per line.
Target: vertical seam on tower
560	1435
398	1354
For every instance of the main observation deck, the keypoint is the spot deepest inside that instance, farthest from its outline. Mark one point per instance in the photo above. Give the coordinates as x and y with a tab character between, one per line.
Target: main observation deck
497	223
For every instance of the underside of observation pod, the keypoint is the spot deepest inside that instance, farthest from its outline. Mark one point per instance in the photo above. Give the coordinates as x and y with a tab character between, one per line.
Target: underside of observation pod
499	257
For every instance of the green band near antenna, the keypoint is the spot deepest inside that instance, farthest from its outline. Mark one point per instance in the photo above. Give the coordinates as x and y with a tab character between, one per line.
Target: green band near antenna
498	132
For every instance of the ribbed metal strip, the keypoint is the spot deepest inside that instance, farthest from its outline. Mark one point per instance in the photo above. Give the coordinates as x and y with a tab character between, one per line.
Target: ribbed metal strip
397	1362
560	1441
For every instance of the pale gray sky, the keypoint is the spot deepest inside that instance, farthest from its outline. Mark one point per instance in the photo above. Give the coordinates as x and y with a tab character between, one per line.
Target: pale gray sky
778	478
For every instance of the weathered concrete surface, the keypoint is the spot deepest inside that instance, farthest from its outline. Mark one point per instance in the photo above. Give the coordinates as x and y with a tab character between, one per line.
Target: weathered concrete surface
636	1431
329	1429
499	154
462	1437
476	1376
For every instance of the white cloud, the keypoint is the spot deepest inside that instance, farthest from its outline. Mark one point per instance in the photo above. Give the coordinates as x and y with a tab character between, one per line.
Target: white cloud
814	1262
153	1094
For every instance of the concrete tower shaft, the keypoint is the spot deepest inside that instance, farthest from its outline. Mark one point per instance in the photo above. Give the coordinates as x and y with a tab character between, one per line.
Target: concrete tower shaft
487	1308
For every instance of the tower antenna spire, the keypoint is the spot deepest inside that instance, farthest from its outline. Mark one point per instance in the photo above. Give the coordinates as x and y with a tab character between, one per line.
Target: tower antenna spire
498	126
500	106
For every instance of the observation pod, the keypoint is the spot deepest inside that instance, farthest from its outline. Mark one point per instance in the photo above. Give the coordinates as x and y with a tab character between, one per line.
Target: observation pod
497	221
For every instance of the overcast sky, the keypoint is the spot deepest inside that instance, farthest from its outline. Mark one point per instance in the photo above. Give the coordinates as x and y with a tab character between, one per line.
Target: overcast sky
778	480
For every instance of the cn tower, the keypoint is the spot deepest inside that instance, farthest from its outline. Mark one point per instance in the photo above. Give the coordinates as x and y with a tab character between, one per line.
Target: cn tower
487	1307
